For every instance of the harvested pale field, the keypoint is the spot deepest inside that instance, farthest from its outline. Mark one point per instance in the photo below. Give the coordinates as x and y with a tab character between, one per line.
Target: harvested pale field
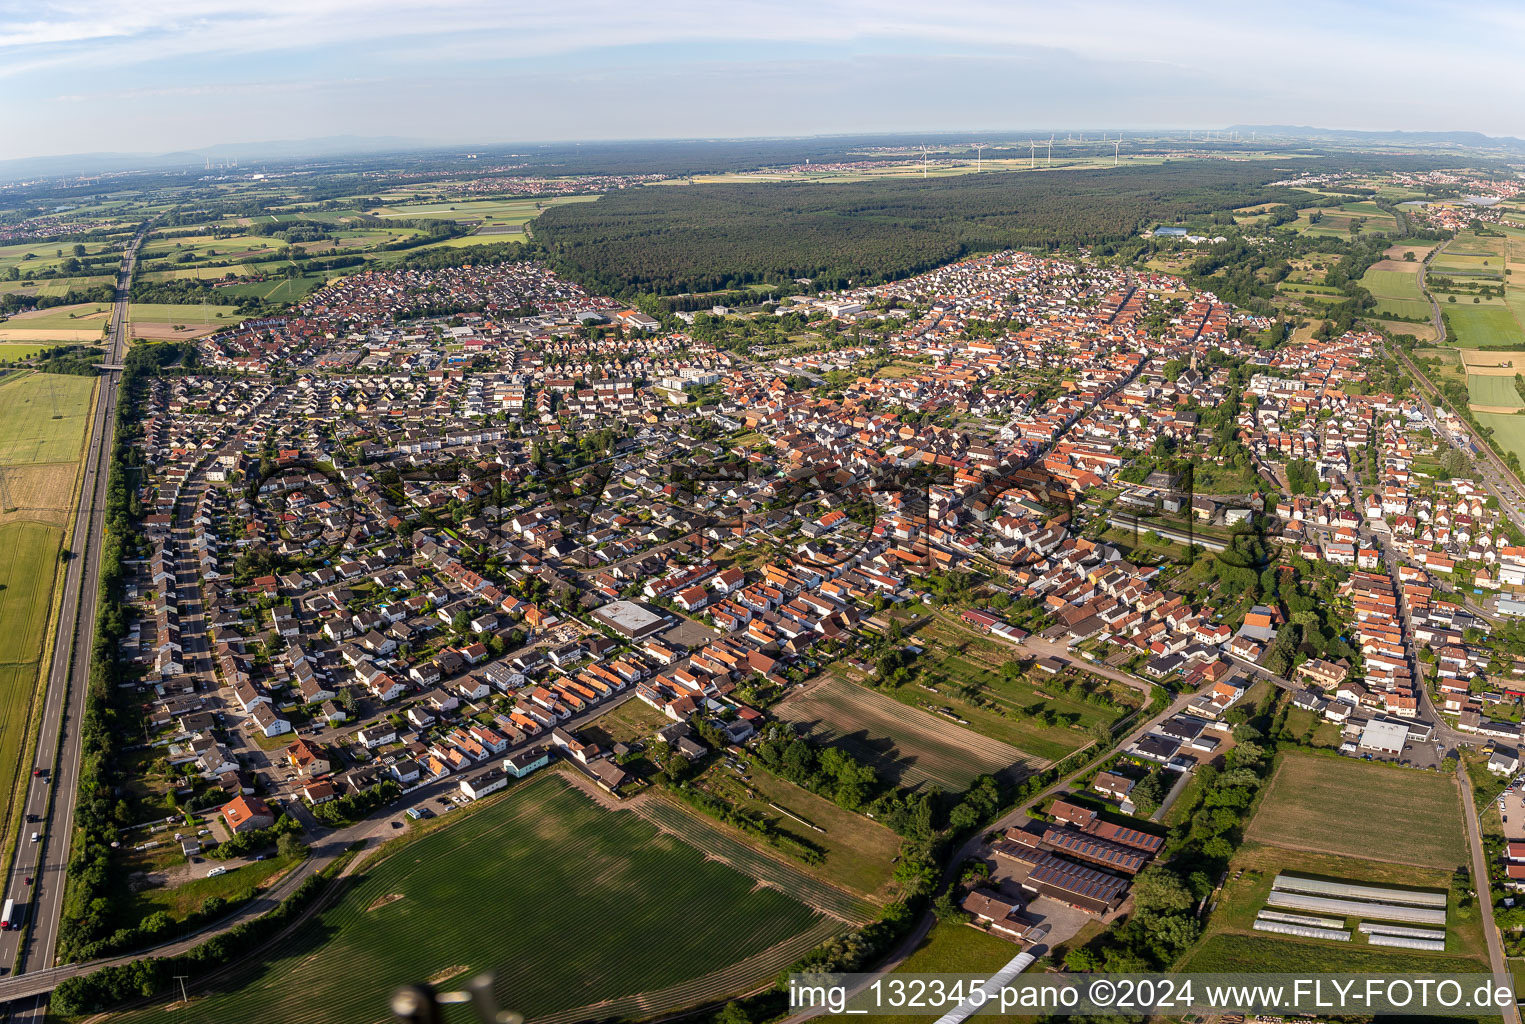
1502	364
38	492
54	334
910	746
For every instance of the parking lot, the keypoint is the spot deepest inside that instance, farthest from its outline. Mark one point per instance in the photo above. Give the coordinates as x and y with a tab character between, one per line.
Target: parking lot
1512	807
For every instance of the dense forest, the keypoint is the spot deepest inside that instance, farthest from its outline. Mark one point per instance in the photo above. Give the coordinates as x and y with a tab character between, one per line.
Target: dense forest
712	237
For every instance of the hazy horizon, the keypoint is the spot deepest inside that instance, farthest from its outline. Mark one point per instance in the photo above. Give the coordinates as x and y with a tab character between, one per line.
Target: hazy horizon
159	77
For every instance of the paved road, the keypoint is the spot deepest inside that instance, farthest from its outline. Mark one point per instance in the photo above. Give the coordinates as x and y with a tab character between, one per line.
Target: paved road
53	792
1499	965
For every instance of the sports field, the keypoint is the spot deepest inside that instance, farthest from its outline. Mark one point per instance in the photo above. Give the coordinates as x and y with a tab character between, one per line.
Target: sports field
1359	809
907	745
580	911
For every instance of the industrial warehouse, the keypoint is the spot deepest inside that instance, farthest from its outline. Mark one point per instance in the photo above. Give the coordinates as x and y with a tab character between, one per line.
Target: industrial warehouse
1351	900
1049	863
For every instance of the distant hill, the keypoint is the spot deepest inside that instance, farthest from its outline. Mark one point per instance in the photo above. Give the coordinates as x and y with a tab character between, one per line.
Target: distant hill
246	153
1448	140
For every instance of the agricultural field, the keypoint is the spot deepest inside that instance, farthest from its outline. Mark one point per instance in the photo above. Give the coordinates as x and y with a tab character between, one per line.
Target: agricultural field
38	256
169	322
1395	286
1230	945
1493	392
43	418
43	422
82	322
579	902
858	853
720	844
1508	430
1359	809
1487	323
19	350
1337	221
505	217
910	746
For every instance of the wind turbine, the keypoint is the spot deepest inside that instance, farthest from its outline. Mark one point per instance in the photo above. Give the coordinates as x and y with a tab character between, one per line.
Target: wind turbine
979	154
1051	150
923	161
1115	147
1032	154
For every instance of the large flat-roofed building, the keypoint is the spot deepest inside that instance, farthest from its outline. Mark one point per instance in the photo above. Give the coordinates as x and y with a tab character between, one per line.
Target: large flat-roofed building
1098	851
630	619
1384	737
1093	891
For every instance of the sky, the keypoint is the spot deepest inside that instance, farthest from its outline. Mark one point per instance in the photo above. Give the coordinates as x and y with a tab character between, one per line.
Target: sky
156	76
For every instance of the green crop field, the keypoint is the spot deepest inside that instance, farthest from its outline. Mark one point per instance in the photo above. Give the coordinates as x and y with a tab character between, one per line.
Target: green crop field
28	554
578	910
1493	390
43	418
1483	324
1397	291
908	745
490	211
1508	430
20	350
1343	806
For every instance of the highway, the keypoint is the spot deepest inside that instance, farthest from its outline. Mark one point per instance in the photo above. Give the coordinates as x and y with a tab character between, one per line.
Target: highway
36	876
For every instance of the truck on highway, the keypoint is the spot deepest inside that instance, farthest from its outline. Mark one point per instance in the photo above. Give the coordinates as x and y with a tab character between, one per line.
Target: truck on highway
9	919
